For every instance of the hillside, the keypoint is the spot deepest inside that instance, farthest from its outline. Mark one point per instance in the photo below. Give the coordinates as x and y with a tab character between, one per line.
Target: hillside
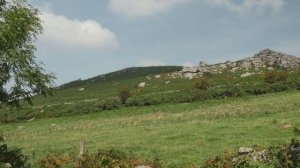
124	74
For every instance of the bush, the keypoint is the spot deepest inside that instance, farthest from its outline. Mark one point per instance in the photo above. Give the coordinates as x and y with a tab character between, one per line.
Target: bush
13	157
279	87
201	83
273	76
110	104
123	94
55	160
142	101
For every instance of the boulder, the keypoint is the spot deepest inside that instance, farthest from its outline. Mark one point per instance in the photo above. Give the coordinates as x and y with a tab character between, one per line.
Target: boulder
81	89
244	150
157	76
247	74
189	75
142	85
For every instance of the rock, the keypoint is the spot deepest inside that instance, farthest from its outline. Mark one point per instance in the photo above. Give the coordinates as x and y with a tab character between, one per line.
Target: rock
157	76
148	78
142	85
81	89
7	165
32	119
189	75
259	156
247	74
142	167
52	125
69	103
21	127
167	82
270	68
287	126
263	59
42	111
244	150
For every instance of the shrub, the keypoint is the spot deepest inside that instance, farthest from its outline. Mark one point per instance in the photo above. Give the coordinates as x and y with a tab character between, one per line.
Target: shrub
55	160
14	157
142	101
123	94
279	87
110	104
201	83
273	76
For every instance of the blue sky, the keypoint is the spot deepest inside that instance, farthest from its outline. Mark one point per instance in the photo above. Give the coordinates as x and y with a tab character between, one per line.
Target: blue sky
83	39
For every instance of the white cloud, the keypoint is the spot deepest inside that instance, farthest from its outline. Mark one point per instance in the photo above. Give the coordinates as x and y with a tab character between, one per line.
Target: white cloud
152	62
249	5
74	33
142	8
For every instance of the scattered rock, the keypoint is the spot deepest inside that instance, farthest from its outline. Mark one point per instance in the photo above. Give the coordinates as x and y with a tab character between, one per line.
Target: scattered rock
260	61
148	78
142	85
81	89
244	150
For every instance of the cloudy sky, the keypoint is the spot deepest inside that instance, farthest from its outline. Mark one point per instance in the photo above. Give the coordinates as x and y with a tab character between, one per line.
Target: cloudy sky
83	39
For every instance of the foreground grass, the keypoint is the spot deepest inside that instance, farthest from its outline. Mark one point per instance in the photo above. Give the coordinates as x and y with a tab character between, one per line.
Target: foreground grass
177	134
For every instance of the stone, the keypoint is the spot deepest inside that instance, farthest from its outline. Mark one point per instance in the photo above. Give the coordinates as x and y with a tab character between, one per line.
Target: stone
142	166
21	127
244	150
32	119
189	75
270	68
142	85
81	89
157	76
246	74
167	82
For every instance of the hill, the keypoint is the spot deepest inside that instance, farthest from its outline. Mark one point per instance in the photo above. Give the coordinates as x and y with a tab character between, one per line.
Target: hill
124	74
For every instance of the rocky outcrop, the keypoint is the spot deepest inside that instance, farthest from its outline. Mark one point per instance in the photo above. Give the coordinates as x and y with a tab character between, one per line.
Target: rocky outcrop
265	59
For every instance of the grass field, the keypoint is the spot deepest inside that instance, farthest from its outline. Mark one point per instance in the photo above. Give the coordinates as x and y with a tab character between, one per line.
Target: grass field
178	134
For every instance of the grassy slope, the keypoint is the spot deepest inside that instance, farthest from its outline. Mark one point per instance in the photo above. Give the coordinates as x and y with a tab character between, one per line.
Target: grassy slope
182	133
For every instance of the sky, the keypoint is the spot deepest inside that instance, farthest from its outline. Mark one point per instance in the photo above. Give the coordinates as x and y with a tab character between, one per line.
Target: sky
83	39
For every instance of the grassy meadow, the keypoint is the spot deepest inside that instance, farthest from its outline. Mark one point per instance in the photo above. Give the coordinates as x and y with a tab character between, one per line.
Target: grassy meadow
178	134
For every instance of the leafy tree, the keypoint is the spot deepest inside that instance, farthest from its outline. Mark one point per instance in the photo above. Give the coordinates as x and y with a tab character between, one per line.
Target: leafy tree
21	76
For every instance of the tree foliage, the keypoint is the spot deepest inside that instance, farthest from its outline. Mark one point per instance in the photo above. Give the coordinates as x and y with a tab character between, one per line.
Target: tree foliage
21	76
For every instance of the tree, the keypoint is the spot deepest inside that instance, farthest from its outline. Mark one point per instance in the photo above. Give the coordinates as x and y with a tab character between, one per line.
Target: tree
21	76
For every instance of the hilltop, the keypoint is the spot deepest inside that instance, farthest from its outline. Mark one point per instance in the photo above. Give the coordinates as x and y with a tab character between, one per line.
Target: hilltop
264	60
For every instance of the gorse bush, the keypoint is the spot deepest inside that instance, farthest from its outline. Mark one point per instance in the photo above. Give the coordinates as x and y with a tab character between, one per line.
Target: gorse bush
275	76
101	159
124	94
201	83
13	157
109	104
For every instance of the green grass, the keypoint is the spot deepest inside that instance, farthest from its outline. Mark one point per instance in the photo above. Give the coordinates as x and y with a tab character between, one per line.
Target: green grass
179	134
